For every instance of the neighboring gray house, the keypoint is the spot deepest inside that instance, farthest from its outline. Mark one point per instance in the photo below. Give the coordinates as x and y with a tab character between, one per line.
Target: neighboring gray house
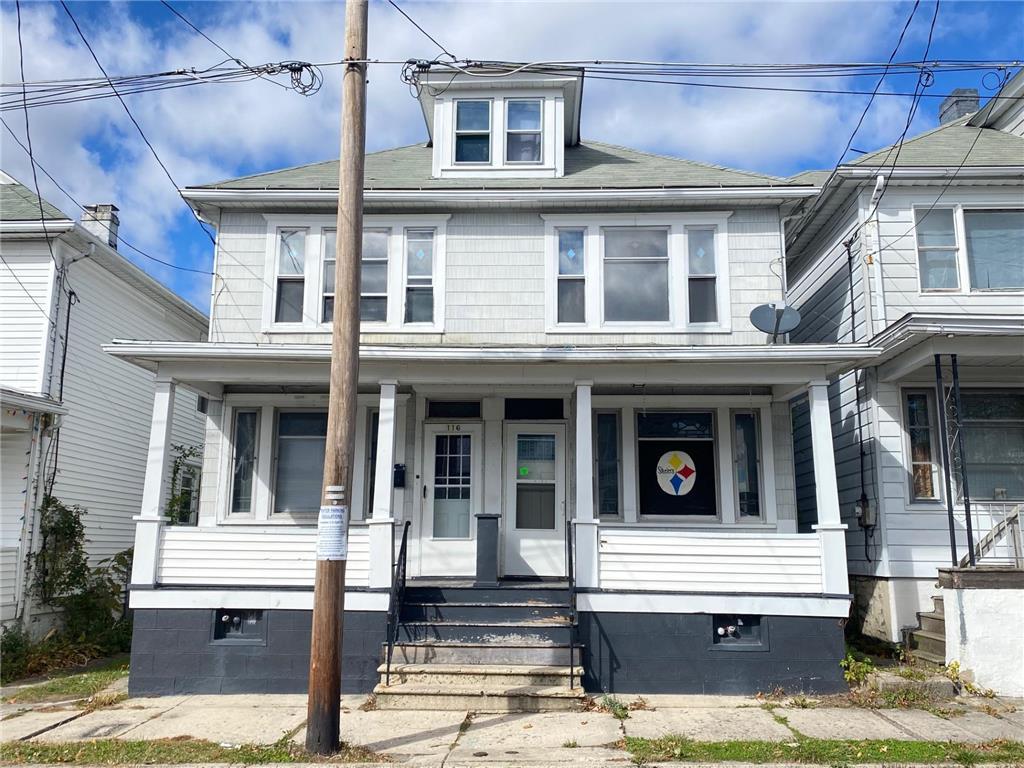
64	292
919	251
556	359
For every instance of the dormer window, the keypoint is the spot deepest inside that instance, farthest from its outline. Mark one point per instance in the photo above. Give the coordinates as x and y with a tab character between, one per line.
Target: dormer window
523	130
472	131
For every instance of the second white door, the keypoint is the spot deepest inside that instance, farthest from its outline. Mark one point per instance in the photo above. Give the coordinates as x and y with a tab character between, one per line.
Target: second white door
534	514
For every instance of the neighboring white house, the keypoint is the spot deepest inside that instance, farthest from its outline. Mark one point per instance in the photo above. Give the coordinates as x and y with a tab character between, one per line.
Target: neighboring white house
919	251
63	281
555	339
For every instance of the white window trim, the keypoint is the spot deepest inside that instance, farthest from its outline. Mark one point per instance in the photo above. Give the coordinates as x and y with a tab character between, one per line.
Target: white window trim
507	131
261	512
722	406
314	273
678	271
963	266
491	157
552	163
311	243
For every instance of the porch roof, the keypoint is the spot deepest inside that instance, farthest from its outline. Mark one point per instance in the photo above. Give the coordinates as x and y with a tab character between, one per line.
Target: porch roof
26	401
255	363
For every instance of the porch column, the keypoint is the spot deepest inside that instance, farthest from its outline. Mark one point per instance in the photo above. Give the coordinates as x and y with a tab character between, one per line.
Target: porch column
382	521
150	521
585	523
830	528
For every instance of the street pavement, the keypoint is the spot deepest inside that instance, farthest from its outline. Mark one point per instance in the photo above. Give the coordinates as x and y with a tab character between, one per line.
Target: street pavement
453	739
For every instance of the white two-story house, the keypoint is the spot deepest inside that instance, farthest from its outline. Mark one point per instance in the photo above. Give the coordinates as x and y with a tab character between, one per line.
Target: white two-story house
570	436
74	422
919	251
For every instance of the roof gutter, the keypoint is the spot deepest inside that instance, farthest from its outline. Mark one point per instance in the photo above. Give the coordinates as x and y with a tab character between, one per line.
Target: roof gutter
36	227
930	172
221	196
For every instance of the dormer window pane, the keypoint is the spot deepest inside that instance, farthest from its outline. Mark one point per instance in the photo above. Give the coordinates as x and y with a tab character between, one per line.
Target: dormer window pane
473	132
523	131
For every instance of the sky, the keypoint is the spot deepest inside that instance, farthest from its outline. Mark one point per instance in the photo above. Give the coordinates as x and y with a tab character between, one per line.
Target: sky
215	131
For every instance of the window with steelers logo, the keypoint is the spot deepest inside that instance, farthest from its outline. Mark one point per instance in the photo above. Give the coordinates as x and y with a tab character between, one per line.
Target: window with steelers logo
676	463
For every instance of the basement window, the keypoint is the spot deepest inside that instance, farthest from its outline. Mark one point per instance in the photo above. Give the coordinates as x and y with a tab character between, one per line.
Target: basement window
737	632
239	627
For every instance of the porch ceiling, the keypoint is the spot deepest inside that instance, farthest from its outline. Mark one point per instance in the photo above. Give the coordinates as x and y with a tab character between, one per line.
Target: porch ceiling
206	366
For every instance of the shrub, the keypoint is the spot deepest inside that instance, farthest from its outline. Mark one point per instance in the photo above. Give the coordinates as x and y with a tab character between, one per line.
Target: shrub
856	667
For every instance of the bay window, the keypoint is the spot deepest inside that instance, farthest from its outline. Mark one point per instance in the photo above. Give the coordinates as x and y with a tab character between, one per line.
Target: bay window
637	273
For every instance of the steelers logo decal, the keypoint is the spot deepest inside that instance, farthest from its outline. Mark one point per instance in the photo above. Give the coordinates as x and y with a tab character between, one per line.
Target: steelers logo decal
676	473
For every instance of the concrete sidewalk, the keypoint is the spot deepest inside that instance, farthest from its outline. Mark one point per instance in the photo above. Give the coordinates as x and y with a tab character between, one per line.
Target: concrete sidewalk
464	738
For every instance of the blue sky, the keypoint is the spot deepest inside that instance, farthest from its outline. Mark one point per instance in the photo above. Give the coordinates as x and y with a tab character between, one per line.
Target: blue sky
211	132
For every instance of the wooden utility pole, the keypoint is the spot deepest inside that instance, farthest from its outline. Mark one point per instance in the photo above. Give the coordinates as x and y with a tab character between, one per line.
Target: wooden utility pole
324	705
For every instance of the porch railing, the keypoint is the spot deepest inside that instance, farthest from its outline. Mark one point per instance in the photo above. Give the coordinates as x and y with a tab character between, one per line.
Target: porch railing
1002	545
396	598
573	620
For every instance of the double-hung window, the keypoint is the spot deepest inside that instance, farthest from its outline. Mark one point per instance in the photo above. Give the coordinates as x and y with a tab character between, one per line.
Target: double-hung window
473	131
922	444
299	445
993	430
373	287
636	275
979	247
291	276
419	276
702	275
523	133
330	244
571	281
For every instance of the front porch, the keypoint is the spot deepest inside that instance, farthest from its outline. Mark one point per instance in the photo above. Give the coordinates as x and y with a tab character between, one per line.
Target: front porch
674	499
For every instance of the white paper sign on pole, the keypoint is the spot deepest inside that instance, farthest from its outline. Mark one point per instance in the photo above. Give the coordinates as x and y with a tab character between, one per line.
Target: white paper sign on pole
332	533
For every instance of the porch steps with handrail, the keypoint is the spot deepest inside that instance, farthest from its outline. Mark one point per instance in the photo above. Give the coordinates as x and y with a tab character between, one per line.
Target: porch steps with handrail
928	640
499	649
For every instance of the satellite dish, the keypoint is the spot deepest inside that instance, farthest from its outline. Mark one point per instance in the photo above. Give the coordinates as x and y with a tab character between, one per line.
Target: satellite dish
774	319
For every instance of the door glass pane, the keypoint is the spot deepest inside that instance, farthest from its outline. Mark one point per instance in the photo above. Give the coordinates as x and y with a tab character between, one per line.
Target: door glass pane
535	458
995	249
535	506
452	486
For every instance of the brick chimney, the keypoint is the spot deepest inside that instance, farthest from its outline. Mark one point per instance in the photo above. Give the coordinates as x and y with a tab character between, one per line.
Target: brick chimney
960	102
102	221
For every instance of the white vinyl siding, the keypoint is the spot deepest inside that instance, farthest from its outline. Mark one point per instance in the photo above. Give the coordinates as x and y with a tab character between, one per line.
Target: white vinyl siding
665	561
25	304
253	557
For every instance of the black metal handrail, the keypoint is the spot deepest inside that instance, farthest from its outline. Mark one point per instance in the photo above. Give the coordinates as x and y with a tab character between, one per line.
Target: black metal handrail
572	599
396	598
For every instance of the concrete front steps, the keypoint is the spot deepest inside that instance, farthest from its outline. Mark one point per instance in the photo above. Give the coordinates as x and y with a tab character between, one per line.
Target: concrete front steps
928	641
480	688
506	649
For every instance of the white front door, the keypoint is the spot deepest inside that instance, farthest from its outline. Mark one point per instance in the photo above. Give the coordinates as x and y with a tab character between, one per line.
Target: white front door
450	499
534	518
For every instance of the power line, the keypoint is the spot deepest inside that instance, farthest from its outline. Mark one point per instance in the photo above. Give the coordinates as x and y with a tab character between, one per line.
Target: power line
107	226
426	34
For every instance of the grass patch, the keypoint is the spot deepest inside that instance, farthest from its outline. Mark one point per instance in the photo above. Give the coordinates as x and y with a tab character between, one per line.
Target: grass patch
79	686
571	744
614	706
820	751
170	752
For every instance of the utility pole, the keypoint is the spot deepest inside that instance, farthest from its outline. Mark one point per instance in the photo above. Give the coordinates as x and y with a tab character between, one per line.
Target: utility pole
324	705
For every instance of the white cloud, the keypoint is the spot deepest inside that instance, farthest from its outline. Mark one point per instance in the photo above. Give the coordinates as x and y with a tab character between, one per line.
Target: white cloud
209	132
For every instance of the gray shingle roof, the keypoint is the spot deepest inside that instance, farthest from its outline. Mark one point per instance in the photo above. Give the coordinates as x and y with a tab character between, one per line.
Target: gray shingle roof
948	145
19	203
590	165
814	178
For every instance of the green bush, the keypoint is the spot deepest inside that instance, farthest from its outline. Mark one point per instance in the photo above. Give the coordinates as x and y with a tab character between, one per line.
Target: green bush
15	647
856	667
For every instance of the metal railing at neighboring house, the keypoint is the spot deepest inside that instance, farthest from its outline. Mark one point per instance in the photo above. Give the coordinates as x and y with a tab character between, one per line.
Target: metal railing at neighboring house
571	568
396	598
1002	545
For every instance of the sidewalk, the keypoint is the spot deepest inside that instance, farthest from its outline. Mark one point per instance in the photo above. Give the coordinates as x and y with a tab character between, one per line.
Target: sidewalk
463	738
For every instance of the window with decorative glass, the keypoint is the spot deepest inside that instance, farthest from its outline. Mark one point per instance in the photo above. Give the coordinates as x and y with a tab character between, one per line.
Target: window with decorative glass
419	280
290	285
571	276
702	275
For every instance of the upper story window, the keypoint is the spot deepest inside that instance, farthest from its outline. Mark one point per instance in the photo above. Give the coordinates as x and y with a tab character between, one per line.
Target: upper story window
977	248
523	131
401	274
473	131
651	273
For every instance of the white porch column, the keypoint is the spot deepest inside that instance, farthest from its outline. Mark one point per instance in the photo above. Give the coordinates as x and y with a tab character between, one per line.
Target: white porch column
587	574
382	521
830	528
150	522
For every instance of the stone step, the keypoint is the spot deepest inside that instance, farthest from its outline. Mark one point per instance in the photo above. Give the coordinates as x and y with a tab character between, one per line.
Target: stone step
540	632
533	593
931	658
481	653
932	622
489	677
929	642
476	699
937	605
472	612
